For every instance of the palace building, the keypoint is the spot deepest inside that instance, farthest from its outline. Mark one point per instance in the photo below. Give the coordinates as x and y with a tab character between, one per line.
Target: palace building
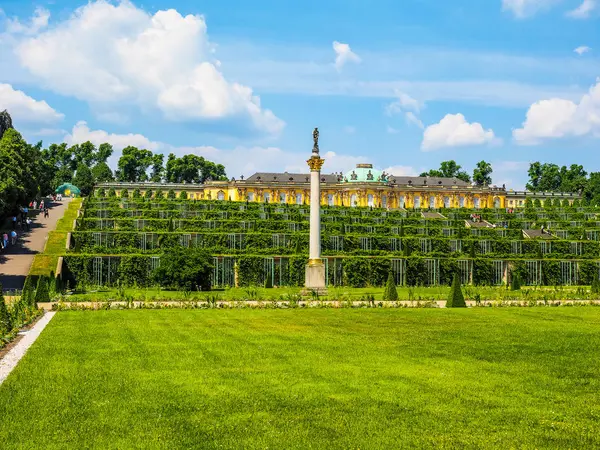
362	186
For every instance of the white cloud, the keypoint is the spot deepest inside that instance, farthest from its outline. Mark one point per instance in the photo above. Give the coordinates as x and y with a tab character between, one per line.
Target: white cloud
581	50
115	54
411	118
525	8
401	171
454	131
404	102
558	118
82	133
23	108
38	22
584	10
344	55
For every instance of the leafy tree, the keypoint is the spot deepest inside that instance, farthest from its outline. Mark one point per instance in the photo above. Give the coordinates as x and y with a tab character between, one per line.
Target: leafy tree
133	164
84	153
124	193
183	195
448	169
171	194
28	293
482	174
456	298
193	169
102	172
104	152
157	168
390	293
84	179
188	269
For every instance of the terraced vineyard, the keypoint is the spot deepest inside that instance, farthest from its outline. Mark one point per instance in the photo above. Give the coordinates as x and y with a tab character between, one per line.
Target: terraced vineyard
120	241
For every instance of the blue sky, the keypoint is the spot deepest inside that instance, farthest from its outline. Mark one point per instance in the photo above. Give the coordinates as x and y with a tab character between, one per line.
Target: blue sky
401	84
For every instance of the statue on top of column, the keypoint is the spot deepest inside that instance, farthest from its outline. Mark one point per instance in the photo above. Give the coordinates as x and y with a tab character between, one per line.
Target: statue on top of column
316	141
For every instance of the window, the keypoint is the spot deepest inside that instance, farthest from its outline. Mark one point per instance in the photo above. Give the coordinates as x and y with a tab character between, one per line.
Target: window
353	200
281	198
417	201
266	197
220	195
298	199
384	201
476	202
192	196
330	200
446	202
461	202
496	203
370	200
432	202
250	196
401	201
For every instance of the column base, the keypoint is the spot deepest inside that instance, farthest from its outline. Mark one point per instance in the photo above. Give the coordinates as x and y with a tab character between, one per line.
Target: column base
315	275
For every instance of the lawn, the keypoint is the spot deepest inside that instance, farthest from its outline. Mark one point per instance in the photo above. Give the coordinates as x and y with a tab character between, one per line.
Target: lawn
322	378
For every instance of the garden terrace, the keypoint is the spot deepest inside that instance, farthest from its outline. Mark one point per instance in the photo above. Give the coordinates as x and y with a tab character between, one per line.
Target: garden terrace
122	240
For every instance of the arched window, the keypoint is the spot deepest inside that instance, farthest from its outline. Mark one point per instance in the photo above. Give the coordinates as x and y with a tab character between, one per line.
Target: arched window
446	202
370	200
298	199
401	201
417	201
461	202
384	201
282	198
220	195
432	202
353	200
250	196
266	197
330	200
476	202
496	202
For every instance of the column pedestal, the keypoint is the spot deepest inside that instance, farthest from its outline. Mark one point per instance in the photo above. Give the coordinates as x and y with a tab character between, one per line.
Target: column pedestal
315	277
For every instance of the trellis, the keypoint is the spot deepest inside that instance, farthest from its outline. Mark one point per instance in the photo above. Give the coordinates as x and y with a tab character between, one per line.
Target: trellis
499	270
576	248
466	270
455	245
569	273
336	243
545	247
425	244
395	244
433	271
399	271
365	243
516	247
534	273
485	246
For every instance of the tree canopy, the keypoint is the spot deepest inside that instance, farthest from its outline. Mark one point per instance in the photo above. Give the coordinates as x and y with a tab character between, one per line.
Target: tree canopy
448	169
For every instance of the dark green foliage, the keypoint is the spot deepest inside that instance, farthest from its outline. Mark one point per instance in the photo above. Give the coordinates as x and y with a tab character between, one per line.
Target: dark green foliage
100	193
41	293
136	193
148	193
269	280
111	193
124	193
171	194
6	324
456	298
596	284
28	293
184	269
159	194
515	282
84	179
183	195
390	293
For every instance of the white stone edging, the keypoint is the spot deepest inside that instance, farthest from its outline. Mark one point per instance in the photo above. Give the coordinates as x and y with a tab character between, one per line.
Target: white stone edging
12	358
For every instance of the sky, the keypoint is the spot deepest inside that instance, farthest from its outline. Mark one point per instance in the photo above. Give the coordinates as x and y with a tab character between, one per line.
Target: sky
403	84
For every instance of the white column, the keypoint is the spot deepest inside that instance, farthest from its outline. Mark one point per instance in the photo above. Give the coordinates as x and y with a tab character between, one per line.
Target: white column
315	215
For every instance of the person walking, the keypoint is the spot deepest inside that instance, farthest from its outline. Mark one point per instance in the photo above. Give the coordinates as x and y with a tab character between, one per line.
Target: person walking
5	239
28	222
46	213
42	205
13	237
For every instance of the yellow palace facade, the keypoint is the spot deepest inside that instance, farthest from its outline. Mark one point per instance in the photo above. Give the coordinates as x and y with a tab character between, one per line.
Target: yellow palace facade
363	186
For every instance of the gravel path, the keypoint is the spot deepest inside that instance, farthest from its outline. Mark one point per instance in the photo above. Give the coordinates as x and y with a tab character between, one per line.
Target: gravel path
12	358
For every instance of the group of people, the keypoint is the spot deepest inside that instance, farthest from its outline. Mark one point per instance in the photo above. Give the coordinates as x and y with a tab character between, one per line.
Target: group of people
22	221
5	242
475	217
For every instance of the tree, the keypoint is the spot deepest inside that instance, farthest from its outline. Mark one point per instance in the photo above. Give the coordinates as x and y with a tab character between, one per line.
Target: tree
171	194
84	179
193	169
183	195
448	169
482	174
515	281
28	293
390	293
102	172
124	193
456	298
133	164
104	152
188	269
157	168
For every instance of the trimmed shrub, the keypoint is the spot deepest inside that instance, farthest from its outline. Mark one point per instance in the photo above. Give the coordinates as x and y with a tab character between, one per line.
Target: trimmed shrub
28	294
183	195
124	193
148	193
171	194
390	293
184	269
100	193
111	193
41	293
6	325
515	282
136	193
269	280
456	298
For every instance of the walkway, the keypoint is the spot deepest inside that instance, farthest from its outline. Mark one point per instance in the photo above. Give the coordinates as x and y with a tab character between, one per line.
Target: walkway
15	261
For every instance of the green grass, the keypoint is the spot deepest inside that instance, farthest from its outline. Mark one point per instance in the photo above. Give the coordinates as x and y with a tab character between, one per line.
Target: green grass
45	262
474	378
342	293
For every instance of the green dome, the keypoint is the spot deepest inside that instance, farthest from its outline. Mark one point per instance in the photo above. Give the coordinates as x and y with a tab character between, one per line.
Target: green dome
364	173
68	189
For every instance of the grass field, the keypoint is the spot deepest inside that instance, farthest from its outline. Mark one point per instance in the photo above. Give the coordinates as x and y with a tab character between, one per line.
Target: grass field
476	378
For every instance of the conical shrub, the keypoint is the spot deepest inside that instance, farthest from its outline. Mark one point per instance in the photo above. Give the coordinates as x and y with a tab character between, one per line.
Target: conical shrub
27	296
6	324
269	281
456	298
41	293
515	282
390	293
